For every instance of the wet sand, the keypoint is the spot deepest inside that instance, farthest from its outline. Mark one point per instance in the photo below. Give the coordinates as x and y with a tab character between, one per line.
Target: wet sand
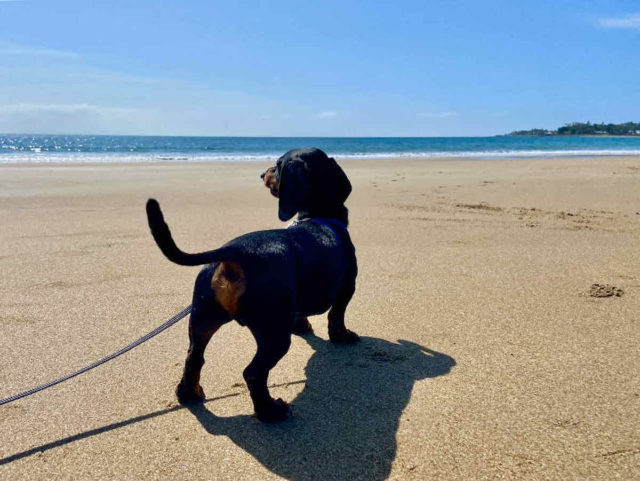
485	353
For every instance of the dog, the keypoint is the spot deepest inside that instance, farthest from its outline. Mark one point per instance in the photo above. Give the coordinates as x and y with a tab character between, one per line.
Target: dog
270	281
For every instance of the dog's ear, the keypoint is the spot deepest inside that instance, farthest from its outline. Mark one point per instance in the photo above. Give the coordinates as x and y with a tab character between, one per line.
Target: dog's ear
294	184
337	185
330	183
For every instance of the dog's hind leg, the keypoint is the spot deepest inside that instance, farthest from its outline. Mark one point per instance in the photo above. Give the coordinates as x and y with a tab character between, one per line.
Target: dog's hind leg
273	339
338	333
206	318
200	332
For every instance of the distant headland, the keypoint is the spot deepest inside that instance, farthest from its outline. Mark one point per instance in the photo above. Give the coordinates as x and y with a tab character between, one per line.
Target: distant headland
627	129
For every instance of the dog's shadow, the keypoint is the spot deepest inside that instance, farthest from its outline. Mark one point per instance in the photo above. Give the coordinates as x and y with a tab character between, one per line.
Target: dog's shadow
345	419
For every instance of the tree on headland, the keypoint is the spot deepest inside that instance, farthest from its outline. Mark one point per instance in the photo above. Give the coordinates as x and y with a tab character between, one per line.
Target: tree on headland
585	128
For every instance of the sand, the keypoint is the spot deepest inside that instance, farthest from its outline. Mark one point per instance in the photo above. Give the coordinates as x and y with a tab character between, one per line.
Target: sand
483	354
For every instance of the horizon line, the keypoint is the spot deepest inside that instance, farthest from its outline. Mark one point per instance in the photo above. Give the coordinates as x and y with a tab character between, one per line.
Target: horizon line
259	136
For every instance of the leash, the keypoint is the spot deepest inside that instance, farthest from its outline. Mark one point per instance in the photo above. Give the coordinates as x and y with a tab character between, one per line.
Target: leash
144	338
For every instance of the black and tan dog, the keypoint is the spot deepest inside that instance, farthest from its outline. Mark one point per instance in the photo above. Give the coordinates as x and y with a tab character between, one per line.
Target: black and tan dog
271	280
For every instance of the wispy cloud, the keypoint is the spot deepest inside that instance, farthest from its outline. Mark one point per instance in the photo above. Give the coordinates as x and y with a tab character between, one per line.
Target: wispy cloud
24	50
327	114
627	22
61	108
275	116
64	118
440	115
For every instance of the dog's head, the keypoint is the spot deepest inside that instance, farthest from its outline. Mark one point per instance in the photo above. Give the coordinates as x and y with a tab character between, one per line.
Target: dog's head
306	179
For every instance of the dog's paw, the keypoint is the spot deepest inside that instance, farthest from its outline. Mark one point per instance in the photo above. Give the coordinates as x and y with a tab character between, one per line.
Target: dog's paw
189	395
302	326
273	412
343	337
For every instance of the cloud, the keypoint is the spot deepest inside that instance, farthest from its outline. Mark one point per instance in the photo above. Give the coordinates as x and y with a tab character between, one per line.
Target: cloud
60	108
24	50
440	115
327	114
628	22
64	118
275	117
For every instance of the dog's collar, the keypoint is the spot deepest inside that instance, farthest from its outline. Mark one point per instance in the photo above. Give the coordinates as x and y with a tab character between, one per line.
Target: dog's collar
331	224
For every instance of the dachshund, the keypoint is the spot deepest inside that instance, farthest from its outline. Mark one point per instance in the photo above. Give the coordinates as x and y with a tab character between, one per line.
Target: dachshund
271	280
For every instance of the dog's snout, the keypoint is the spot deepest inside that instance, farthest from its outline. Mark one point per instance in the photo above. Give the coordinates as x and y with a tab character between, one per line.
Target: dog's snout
269	179
270	170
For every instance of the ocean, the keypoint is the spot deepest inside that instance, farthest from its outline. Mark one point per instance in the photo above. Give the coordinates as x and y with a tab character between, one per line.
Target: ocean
116	148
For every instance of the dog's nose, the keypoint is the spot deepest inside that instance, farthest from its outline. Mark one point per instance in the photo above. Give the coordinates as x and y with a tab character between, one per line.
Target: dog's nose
263	174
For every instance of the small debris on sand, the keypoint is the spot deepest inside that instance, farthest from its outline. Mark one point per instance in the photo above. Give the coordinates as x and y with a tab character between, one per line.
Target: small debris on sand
480	206
605	290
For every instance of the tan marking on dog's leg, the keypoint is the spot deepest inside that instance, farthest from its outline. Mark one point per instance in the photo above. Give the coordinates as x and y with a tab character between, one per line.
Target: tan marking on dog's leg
228	284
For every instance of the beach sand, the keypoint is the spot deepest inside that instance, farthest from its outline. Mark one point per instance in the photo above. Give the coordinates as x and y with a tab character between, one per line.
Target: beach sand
483	353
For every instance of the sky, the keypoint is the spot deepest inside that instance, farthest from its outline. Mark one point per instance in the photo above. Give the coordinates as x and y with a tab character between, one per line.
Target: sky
316	68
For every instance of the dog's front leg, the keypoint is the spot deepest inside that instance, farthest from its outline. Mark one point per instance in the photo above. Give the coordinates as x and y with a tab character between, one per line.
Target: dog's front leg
338	333
273	344
302	326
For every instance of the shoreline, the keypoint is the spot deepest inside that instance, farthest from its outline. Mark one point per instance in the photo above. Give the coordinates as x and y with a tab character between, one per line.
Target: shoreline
383	158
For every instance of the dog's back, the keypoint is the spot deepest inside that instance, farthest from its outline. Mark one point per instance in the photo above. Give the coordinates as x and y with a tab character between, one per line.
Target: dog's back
307	262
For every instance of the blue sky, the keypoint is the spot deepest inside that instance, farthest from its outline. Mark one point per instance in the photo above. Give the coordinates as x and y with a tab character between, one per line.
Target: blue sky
325	68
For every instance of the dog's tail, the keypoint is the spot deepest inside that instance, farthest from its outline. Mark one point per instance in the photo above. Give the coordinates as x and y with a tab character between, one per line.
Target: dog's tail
162	235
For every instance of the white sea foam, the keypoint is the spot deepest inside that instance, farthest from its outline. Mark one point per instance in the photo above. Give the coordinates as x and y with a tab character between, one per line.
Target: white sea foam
495	153
95	157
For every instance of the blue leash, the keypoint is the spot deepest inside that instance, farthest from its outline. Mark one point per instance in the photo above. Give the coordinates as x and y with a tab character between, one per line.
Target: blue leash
144	338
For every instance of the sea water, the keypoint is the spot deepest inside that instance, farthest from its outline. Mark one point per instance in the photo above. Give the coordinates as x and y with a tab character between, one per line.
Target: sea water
117	148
